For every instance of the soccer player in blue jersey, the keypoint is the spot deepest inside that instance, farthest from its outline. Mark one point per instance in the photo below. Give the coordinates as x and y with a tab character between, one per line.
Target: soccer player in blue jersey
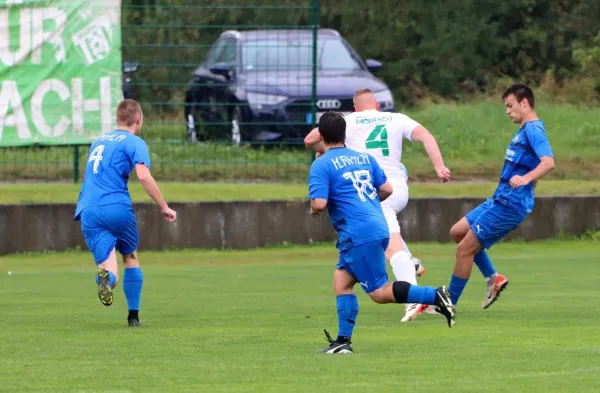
108	222
350	185
528	158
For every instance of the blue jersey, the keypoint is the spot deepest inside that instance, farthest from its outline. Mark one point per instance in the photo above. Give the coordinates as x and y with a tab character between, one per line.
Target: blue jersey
349	180
111	159
523	155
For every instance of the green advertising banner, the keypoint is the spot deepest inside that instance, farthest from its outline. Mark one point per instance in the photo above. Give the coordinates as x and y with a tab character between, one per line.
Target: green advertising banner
60	70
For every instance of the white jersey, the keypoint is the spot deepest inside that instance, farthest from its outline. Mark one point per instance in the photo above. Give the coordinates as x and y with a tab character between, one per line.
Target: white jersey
381	135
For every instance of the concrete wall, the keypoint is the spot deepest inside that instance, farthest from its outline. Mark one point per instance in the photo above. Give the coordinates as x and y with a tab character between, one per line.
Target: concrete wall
241	225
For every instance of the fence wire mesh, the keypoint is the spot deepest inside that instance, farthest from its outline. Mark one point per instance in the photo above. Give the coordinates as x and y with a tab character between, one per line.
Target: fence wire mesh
228	90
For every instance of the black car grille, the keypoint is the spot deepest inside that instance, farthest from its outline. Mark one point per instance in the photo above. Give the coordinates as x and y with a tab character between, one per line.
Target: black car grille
297	110
298	113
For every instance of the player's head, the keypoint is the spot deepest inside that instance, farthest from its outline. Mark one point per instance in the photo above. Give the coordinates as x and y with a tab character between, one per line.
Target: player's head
332	127
364	99
519	102
130	116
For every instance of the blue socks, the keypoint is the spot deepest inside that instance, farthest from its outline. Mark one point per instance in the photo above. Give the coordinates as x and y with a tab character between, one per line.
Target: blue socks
132	286
347	310
456	288
457	284
111	276
421	295
484	263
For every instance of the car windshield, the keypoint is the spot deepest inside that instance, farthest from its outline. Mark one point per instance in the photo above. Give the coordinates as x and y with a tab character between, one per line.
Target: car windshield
281	54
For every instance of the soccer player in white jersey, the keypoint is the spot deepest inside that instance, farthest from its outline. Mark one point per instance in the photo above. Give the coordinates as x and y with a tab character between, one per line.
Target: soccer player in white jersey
381	134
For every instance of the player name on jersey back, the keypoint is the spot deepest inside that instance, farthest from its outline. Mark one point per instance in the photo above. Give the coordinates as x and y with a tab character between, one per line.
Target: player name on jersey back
341	162
110	137
373	120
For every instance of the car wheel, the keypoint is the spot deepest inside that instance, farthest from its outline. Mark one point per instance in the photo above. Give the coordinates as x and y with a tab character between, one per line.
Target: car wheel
236	132
190	127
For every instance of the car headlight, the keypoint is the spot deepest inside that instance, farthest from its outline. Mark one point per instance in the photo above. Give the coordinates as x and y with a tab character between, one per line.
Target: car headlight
257	100
385	99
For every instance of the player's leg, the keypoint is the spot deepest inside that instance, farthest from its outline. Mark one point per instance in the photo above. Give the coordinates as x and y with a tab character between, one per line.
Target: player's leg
101	242
347	309
460	230
133	278
465	252
133	281
402	265
368	266
403	268
490	227
391	207
107	278
419	268
397	252
482	260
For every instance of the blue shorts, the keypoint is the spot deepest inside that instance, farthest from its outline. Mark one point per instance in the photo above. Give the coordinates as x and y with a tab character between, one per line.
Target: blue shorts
491	221
108	227
366	263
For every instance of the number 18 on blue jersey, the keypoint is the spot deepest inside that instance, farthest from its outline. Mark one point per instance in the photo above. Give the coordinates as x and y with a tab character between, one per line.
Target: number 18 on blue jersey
349	180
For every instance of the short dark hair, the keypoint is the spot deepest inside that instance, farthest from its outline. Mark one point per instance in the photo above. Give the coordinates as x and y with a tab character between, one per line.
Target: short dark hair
520	91
332	127
127	112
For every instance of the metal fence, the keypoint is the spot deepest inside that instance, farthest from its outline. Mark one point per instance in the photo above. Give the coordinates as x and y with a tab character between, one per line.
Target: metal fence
214	79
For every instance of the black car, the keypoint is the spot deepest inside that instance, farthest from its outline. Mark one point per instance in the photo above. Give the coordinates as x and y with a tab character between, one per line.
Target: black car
256	86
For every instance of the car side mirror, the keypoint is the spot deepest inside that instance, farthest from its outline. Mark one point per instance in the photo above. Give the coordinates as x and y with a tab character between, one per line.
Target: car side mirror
374	65
223	69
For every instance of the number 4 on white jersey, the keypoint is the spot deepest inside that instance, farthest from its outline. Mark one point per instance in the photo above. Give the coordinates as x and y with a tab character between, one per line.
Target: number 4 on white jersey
378	139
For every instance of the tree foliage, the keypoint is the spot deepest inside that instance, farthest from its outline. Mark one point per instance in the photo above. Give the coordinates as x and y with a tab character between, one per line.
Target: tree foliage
445	48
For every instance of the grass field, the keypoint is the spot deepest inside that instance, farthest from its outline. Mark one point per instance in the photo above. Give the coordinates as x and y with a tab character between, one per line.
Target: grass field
186	192
252	321
473	139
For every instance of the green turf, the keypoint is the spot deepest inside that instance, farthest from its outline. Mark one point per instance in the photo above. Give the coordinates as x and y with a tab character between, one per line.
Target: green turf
251	322
473	140
184	192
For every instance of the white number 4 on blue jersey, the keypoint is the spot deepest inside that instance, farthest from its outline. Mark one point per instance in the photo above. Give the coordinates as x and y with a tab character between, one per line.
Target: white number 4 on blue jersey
96	157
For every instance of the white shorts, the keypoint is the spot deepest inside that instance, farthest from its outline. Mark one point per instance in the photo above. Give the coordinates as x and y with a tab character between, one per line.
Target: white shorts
394	205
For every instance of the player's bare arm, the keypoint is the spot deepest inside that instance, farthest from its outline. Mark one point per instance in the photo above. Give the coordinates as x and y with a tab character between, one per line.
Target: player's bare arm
313	141
149	184
385	191
421	134
545	166
317	206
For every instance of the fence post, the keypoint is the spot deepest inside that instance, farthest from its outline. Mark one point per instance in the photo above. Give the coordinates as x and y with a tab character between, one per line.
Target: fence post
75	164
315	63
